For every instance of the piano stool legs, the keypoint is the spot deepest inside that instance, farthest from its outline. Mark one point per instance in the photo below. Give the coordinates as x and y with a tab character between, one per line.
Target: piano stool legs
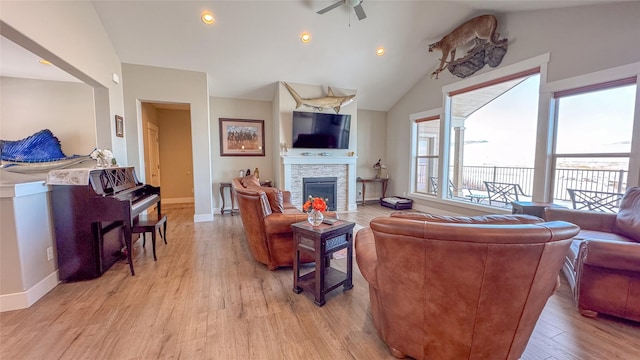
151	223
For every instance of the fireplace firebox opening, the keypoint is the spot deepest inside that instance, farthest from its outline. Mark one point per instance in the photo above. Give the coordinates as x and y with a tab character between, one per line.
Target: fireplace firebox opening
322	187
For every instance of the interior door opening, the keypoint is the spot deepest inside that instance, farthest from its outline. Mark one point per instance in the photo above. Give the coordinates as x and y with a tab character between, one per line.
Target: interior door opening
168	156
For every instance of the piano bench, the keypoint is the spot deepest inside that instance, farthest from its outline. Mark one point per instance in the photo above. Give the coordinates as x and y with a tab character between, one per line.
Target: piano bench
151	223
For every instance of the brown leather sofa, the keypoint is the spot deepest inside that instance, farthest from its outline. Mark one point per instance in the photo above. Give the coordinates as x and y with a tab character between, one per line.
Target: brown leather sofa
603	262
460	287
267	214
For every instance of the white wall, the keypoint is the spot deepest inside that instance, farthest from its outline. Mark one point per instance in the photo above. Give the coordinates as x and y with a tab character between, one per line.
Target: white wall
580	40
28	106
228	167
154	84
27	271
372	145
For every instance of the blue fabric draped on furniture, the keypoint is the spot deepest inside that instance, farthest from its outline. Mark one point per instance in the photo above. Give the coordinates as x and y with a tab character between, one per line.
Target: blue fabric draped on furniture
39	147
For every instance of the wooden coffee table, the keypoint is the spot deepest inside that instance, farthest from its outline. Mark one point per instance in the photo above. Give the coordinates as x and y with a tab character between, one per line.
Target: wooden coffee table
320	242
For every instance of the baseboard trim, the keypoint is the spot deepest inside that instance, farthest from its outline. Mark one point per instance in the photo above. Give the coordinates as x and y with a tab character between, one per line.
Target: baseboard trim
25	299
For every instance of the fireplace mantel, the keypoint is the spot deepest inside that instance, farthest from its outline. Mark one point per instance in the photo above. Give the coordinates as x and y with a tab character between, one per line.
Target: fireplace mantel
291	162
317	159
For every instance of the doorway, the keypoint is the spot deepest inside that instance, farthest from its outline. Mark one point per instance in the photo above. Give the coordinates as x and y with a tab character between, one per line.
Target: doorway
152	150
167	150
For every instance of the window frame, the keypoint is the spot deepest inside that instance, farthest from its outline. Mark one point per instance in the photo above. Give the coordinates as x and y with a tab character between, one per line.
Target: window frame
587	89
543	177
535	65
415	119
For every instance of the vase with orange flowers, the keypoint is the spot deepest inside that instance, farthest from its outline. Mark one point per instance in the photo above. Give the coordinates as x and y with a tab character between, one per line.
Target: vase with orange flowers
315	206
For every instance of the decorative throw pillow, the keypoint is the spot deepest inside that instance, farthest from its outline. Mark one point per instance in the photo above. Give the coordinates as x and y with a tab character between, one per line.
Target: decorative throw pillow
250	181
628	219
275	199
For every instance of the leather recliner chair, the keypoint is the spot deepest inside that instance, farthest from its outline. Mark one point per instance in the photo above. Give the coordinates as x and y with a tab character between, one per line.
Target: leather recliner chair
603	263
267	214
460	287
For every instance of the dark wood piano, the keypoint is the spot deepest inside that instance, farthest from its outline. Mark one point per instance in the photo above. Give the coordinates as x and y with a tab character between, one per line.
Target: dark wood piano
92	222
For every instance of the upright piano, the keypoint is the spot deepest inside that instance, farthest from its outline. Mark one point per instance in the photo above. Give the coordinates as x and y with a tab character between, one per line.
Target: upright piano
93	221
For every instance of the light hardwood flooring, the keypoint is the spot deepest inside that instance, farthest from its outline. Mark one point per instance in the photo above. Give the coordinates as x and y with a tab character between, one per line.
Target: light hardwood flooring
206	298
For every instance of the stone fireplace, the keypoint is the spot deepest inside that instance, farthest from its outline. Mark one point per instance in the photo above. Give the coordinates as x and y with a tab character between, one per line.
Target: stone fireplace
342	168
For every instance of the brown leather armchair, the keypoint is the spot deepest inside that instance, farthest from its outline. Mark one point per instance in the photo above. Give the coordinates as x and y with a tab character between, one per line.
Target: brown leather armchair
460	287
267	215
603	263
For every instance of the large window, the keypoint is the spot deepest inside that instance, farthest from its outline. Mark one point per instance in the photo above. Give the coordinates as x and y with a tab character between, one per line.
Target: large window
594	129
571	139
493	137
426	142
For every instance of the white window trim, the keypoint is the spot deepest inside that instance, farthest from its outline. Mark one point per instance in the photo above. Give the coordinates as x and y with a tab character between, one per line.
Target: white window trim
597	77
413	144
540	60
543	148
546	122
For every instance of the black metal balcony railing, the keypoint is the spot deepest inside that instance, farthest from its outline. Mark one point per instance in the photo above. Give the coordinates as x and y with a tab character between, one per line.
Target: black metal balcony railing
613	181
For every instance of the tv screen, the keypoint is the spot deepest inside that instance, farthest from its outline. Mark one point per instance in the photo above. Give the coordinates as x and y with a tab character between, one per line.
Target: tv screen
320	130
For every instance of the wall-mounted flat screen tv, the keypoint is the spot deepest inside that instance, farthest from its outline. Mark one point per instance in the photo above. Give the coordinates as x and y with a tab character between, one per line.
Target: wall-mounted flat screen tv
320	130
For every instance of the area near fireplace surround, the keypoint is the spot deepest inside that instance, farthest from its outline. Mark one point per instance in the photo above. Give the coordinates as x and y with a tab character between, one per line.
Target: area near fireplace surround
342	167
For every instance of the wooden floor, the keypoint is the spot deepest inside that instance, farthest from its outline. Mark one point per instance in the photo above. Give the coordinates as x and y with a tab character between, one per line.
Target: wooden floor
206	298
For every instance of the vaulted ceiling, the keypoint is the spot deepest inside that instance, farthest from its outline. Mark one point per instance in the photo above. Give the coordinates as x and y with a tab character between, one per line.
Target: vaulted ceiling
254	44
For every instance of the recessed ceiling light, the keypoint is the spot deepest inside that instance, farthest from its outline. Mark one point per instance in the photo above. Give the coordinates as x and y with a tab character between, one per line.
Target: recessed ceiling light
207	18
44	62
305	37
380	51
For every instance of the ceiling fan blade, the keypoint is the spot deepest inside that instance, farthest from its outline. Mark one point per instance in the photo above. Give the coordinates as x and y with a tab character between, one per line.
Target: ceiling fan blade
359	12
331	7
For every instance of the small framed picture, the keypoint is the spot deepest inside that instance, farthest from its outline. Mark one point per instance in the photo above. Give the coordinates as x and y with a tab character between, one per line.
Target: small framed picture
239	137
119	126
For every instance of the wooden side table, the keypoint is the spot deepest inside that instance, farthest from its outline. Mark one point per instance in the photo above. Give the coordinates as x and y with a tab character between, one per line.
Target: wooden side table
227	185
320	242
383	181
232	195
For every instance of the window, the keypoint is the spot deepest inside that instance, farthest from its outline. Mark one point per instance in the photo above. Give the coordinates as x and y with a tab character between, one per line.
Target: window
594	127
426	143
587	139
493	135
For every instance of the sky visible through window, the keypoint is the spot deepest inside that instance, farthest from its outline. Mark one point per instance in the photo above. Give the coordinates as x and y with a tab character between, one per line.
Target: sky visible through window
503	133
603	121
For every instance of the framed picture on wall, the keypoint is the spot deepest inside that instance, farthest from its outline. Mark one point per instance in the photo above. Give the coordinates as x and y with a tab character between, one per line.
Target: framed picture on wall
119	126
240	137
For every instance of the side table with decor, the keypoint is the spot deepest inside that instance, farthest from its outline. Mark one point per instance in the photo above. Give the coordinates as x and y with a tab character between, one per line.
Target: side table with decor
227	185
321	242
